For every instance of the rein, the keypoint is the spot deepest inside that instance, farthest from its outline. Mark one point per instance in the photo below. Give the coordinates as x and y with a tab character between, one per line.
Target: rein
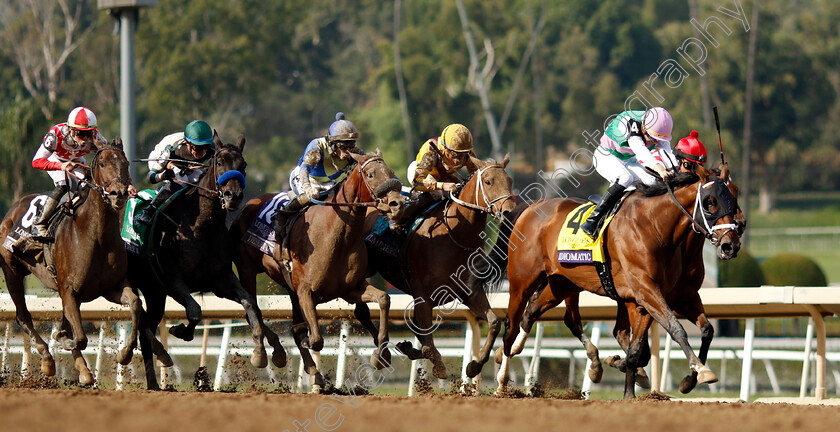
355	204
215	192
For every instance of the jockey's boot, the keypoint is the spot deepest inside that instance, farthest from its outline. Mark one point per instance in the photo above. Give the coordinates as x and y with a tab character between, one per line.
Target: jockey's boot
611	196
294	205
145	217
412	210
41	229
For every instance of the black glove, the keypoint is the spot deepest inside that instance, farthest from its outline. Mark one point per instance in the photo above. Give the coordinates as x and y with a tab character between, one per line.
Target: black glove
167	174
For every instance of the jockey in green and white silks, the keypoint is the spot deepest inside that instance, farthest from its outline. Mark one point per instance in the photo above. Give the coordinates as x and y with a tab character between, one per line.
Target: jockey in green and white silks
633	141
325	163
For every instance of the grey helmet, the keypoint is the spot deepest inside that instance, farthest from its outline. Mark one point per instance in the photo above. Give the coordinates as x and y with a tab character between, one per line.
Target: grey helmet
342	130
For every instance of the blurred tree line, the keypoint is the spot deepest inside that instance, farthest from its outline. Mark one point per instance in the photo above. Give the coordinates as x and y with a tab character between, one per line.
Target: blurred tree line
527	76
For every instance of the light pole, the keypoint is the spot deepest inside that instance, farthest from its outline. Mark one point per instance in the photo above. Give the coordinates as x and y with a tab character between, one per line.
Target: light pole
127	12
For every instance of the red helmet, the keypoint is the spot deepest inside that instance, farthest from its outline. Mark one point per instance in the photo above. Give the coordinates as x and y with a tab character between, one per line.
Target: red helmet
82	118
690	148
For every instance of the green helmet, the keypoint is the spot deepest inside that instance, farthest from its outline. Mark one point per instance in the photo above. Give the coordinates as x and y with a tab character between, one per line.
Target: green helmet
198	133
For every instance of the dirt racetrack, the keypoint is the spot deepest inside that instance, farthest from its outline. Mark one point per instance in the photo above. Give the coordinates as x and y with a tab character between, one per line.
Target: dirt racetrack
94	411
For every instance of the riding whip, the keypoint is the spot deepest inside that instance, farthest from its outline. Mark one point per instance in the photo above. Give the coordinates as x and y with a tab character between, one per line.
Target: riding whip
717	124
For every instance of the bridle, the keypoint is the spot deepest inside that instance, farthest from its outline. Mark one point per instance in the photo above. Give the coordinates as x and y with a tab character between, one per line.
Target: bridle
710	226
371	190
94	170
491	206
218	180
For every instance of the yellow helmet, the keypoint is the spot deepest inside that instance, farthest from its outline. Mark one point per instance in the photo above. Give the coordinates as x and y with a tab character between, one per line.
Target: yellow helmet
457	137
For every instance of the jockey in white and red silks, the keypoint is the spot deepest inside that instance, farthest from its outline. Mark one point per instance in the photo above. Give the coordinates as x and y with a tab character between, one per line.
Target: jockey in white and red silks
63	151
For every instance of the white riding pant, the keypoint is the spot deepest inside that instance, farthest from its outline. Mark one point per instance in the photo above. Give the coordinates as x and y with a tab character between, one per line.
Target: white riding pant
623	172
297	188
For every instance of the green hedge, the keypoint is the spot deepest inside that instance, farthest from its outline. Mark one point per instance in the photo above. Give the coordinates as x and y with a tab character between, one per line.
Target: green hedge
742	271
793	269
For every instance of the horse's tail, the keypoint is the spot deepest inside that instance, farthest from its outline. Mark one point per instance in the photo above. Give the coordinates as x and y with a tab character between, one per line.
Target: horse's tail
490	272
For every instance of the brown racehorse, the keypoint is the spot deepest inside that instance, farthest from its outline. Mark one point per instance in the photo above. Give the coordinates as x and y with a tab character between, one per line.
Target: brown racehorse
193	253
544	300
90	260
440	251
648	250
327	252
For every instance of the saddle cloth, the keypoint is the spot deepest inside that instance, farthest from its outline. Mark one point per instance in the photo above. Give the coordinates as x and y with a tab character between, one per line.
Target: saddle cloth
261	232
25	226
574	246
138	237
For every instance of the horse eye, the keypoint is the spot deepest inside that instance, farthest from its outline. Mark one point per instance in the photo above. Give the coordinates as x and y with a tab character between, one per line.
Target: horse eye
487	182
101	164
370	175
710	203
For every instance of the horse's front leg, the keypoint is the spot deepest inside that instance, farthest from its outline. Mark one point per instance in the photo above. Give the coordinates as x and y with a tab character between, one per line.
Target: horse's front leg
382	356
573	321
693	310
652	300
480	307
247	272
180	292
628	313
307	306
422	326
79	342
300	338
125	295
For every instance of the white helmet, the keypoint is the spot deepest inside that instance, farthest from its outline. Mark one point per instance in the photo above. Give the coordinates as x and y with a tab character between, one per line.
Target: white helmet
82	118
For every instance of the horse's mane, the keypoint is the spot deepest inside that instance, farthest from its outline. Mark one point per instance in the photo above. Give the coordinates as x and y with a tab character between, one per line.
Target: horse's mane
659	188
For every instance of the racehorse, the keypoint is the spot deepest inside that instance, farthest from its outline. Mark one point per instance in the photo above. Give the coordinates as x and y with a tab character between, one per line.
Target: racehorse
656	265
89	259
443	247
327	255
193	253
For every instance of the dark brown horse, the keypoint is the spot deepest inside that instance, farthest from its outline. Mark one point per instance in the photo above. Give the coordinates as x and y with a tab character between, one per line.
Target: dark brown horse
90	259
328	258
193	253
437	259
656	265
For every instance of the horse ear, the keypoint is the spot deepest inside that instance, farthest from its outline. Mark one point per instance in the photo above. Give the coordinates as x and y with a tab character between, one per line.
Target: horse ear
241	143
378	152
359	158
724	172
117	142
216	140
702	172
506	160
477	162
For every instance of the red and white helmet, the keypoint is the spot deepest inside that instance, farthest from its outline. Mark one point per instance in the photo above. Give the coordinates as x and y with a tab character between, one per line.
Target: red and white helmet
658	123
690	148
82	118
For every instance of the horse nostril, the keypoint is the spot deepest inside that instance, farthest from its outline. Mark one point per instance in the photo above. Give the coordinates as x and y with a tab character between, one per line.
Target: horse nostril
394	203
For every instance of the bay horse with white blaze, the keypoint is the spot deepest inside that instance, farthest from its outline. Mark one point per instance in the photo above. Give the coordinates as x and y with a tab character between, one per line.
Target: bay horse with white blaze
89	259
328	259
656	258
193	253
444	247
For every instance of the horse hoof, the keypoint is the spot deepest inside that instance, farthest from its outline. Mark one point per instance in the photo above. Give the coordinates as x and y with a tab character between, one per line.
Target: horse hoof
596	372
85	378
706	376
473	369
381	360
316	389
68	344
125	355
439	370
180	331
48	367
278	357
259	359
164	359
317	345
688	383
59	335
613	361
642	379
304	343
499	355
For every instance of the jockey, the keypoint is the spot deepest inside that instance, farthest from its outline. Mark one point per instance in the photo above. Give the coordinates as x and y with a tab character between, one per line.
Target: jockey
179	156
633	142
64	149
438	161
690	152
325	163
